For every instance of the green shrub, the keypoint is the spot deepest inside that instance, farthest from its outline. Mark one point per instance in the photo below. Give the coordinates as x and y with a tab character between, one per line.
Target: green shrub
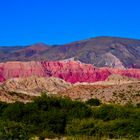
79	110
122	128
14	111
112	129
81	127
93	102
111	112
49	116
15	130
2	107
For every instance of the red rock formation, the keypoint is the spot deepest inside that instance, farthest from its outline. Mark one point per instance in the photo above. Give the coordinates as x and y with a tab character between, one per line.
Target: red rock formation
70	71
73	71
135	73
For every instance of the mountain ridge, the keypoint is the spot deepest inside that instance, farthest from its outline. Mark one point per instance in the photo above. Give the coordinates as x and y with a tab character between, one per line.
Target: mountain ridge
104	51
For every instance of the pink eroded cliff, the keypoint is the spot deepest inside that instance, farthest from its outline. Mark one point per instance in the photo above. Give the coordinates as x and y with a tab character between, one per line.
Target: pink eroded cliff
73	71
70	71
135	73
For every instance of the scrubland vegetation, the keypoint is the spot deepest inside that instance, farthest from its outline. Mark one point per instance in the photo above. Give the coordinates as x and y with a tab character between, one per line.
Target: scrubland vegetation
49	117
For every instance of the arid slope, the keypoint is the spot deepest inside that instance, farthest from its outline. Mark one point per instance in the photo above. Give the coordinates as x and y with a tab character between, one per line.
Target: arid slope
115	89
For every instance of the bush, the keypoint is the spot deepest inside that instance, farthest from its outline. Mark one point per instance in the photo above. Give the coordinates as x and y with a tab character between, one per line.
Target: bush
14	111
111	112
52	117
15	130
87	127
93	102
2	107
79	110
122	128
112	129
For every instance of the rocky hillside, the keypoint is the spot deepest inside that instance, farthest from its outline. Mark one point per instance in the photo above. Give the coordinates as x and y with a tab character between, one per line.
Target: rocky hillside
70	71
113	79
35	85
24	89
100	51
116	93
115	89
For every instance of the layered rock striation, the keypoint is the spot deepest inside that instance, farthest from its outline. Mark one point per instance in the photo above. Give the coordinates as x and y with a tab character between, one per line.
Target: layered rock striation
70	71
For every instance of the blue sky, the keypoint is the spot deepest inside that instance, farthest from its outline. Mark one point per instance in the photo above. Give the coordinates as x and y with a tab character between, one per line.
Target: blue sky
25	22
